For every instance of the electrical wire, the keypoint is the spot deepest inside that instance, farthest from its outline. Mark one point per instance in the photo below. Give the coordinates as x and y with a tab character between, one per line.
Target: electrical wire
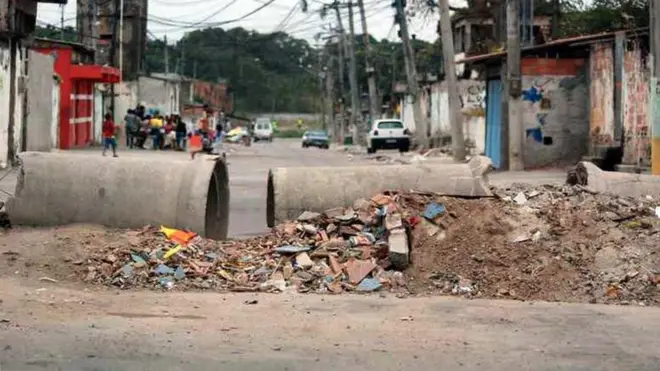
287	18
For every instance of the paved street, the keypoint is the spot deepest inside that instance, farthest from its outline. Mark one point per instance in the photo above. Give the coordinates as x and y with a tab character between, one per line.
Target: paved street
248	168
52	326
46	327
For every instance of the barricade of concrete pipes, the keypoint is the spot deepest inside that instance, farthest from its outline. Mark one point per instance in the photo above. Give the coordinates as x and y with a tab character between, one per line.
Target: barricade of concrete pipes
58	189
291	191
621	184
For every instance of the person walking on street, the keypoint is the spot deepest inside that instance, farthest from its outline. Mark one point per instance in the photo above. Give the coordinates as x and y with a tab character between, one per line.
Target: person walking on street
109	135
181	133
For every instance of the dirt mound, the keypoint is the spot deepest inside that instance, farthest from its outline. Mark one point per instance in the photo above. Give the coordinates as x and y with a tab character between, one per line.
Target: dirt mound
556	243
545	243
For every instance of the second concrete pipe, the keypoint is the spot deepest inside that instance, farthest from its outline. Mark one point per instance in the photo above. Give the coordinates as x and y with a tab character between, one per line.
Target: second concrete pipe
292	191
59	189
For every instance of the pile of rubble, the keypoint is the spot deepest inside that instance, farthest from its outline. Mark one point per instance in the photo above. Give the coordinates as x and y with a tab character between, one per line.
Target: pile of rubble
352	249
556	243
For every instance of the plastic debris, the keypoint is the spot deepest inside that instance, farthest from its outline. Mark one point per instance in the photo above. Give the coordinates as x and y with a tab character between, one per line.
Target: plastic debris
433	210
369	285
292	249
172	251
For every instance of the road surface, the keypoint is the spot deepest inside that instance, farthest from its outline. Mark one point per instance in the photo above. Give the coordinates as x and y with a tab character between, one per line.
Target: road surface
46	327
52	326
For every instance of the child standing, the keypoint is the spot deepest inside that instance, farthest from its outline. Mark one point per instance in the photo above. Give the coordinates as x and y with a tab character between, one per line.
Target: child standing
109	135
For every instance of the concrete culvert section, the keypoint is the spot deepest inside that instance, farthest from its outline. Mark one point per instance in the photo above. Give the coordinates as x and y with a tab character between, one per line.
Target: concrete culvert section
59	189
291	191
618	183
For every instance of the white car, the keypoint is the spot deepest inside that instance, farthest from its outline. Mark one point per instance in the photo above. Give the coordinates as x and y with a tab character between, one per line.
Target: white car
388	134
263	129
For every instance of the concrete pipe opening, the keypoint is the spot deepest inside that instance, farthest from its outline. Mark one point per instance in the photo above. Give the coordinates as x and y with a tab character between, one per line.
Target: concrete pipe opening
617	183
292	191
59	189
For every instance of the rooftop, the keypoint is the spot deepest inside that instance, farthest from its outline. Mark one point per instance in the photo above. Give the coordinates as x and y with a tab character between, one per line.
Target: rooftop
568	42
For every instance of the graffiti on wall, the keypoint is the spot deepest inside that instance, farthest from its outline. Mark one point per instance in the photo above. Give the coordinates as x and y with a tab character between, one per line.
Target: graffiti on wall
601	92
473	99
539	96
539	103
637	145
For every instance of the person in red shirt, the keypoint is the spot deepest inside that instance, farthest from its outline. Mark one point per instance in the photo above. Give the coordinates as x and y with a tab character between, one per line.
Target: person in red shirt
109	135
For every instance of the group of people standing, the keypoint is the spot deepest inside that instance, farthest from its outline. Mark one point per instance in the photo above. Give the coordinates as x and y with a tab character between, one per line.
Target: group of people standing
165	132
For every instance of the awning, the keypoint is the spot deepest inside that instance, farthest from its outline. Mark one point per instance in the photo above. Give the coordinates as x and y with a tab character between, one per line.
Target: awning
96	73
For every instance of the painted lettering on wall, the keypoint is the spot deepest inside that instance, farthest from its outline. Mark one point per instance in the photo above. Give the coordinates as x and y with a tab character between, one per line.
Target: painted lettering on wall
473	100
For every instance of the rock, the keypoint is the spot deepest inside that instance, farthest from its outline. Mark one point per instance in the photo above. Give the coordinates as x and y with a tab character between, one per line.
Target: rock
305	276
309	216
520	199
361	204
304	261
333	213
381	200
393	221
399	252
357	270
334	264
287	270
310	229
276	282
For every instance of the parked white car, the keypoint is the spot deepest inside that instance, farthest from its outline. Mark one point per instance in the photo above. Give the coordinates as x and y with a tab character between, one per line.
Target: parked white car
388	134
263	129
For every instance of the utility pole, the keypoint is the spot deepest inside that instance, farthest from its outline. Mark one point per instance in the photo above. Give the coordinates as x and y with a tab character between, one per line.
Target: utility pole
329	100
182	72
342	100
93	29
62	22
322	76
355	95
166	56
113	53
374	103
654	13
455	118
121	40
516	162
421	127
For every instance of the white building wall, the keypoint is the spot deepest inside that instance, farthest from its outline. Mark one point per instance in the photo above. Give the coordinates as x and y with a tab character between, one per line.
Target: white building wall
39	111
472	106
5	63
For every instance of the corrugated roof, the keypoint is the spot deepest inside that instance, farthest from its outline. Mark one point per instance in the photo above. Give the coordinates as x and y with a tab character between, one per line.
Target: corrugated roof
559	42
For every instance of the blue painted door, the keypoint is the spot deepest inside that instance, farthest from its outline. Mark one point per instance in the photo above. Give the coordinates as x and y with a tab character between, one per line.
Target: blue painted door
494	121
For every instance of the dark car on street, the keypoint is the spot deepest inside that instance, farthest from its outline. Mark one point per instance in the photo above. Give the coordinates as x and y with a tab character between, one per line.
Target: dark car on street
318	139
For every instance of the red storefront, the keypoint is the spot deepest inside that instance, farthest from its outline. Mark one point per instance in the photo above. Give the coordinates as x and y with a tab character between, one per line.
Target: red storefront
77	78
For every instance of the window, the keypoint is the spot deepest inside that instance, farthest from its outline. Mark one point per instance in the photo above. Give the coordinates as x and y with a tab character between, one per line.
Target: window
390	125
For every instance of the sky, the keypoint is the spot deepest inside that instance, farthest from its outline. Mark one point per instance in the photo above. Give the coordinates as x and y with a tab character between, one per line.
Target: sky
274	17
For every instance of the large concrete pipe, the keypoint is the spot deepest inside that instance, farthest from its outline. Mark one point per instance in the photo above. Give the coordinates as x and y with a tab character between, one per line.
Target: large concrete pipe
621	184
124	192
292	191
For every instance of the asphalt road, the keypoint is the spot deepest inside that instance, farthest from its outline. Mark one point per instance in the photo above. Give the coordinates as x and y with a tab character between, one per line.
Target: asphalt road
52	326
47	327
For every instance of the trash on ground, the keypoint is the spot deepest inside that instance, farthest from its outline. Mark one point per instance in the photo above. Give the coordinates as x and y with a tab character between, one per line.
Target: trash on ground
551	242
